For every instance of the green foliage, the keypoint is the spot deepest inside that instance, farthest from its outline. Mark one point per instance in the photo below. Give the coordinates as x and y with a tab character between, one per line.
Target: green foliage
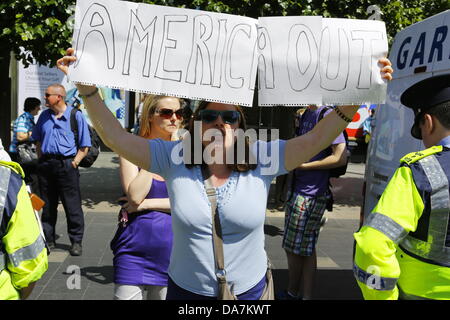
37	25
44	26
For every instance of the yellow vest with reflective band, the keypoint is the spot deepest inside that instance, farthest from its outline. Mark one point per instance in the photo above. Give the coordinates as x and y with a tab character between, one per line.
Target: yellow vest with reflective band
23	256
391	263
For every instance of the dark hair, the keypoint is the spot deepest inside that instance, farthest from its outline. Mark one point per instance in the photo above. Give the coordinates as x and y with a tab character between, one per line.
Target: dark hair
239	167
30	104
442	112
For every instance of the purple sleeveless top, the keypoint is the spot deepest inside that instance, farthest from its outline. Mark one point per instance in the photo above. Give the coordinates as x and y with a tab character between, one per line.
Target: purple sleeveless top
142	248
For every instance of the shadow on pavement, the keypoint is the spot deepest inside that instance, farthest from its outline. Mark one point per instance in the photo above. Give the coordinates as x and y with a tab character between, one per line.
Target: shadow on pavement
329	285
101	184
272	231
101	275
347	191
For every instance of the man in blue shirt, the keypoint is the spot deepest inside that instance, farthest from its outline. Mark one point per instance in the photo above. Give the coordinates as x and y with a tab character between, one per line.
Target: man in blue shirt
58	173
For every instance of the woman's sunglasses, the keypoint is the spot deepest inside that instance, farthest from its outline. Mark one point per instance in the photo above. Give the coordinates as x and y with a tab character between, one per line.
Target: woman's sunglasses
168	113
229	117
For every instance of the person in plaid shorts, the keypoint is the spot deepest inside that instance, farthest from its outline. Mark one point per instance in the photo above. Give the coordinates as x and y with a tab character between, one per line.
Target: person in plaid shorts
305	207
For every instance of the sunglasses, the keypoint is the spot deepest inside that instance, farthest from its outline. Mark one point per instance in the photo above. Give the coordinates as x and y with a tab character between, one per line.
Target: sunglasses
229	117
51	94
168	113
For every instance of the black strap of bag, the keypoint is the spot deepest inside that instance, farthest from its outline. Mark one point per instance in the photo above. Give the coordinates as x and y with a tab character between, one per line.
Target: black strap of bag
74	125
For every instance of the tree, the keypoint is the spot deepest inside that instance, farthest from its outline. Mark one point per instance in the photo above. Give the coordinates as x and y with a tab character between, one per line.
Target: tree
45	26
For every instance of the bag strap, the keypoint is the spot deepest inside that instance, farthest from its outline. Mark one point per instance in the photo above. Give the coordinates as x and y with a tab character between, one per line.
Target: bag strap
216	227
217	236
224	291
74	124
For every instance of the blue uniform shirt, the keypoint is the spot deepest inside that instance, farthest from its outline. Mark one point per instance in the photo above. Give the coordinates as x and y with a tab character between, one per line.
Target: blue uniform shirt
445	142
56	136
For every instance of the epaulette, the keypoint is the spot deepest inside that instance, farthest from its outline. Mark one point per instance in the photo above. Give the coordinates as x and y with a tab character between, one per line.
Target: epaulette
14	166
416	156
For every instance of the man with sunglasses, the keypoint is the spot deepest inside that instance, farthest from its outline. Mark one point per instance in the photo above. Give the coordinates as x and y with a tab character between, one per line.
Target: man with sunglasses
58	166
403	249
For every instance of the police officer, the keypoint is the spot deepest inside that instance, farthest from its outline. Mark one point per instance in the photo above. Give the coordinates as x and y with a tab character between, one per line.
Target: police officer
403	249
23	256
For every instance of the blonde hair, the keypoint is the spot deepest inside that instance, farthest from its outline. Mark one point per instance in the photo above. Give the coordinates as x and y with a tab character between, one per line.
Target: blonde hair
149	109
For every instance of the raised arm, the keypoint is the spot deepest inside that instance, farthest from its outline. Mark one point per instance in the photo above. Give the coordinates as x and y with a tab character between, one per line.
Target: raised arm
134	148
303	148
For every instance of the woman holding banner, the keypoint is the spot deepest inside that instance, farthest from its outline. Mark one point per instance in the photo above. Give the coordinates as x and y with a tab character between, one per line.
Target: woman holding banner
239	175
143	241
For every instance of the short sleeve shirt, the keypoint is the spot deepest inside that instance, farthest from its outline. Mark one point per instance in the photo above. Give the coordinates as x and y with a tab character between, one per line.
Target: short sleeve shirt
56	136
24	123
313	183
241	207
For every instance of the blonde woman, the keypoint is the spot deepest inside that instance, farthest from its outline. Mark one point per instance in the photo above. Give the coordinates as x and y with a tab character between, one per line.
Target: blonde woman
143	240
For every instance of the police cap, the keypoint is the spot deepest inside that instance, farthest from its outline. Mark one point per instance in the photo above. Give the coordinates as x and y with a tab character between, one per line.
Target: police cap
424	95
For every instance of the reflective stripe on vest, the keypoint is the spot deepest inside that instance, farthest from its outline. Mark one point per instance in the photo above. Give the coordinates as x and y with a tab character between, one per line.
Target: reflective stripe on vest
5	174
27	253
374	281
433	250
387	226
2	261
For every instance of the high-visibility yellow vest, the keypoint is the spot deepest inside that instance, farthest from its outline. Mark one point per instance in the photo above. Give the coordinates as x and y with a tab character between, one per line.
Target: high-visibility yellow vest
403	248
23	256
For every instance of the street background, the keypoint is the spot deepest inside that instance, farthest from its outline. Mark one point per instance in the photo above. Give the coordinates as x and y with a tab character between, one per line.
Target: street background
100	187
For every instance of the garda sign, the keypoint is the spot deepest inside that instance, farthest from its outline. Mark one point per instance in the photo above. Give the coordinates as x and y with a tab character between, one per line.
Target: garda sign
211	56
422	47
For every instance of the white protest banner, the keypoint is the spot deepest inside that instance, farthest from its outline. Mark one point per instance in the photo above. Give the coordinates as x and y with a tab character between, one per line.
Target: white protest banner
216	57
164	50
349	54
314	60
288	60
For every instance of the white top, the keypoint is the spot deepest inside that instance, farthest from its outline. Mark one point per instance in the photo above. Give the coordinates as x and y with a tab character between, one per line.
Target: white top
4	156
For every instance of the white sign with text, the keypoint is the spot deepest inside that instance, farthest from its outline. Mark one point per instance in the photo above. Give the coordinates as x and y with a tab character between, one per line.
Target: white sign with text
218	57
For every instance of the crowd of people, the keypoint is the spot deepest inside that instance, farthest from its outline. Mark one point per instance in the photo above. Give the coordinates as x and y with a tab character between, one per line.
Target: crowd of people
167	244
194	230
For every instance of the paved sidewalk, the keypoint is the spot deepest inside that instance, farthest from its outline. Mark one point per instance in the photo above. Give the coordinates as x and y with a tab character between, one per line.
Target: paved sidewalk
100	190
